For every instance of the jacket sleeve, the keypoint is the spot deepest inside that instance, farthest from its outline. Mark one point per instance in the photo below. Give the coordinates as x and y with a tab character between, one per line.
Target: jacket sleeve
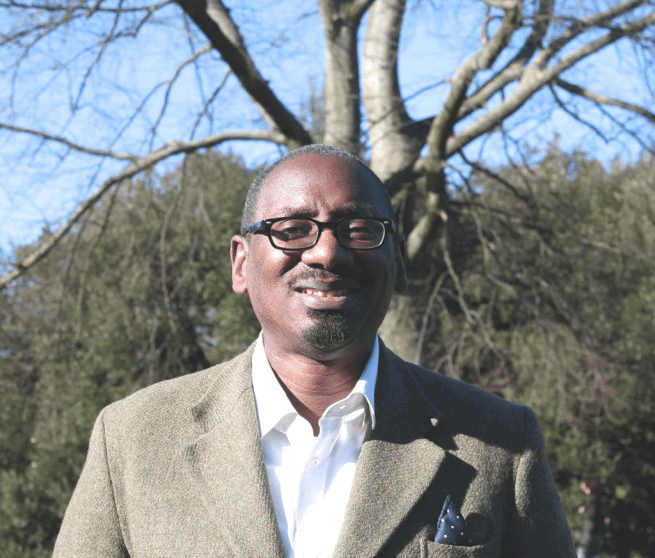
537	526
91	526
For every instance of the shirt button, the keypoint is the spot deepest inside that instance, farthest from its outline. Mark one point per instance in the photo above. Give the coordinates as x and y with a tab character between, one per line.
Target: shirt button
315	461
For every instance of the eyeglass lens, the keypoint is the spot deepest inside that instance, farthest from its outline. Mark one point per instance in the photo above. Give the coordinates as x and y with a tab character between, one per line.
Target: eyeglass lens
352	233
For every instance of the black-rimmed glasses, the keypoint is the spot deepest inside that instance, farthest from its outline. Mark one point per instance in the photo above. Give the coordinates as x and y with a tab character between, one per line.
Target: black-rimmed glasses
356	233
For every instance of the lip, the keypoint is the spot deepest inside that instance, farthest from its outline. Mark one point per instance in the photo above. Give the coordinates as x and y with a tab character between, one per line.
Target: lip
327	294
343	286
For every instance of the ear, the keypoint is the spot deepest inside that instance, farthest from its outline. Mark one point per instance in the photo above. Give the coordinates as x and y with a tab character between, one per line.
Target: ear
239	255
401	285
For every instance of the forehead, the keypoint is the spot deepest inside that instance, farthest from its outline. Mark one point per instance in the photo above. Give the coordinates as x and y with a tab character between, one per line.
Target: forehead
312	185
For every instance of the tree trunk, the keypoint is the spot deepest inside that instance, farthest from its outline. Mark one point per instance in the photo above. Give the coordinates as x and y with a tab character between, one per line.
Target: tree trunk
399	330
393	147
342	93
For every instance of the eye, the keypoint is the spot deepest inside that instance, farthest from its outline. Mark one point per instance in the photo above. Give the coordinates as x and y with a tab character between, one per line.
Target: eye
362	229
292	229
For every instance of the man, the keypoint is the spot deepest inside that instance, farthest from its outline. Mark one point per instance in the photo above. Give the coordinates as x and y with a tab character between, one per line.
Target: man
318	440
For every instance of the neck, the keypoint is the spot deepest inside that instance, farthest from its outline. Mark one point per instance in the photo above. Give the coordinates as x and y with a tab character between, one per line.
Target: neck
313	385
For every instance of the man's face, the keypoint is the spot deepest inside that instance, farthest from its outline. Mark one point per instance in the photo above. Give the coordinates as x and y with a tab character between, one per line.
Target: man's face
326	300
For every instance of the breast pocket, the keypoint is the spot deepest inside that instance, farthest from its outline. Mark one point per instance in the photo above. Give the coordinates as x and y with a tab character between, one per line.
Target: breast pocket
490	549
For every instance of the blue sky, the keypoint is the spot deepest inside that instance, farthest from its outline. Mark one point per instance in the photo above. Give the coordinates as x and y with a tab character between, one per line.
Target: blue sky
42	184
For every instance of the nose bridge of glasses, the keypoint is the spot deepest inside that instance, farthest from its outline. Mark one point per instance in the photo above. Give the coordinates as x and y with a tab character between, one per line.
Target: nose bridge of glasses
332	225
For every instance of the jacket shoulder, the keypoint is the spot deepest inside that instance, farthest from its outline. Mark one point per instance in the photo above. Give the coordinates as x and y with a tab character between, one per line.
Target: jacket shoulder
170	398
467	409
454	393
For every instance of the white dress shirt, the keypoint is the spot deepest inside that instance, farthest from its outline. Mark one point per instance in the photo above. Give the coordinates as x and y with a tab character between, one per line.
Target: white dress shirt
311	478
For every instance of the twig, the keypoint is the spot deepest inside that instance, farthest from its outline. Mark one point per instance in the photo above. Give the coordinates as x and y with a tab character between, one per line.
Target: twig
138	165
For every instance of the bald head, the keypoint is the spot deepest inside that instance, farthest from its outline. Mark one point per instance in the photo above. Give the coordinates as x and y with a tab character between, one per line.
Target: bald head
255	190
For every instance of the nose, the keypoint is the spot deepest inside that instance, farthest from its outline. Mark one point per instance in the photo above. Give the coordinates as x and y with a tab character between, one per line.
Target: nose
327	252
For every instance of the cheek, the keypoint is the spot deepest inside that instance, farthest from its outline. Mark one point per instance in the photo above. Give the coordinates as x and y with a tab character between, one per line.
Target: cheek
265	304
384	269
264	262
267	282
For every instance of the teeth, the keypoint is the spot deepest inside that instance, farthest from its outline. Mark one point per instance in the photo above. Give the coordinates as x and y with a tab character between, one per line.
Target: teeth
316	292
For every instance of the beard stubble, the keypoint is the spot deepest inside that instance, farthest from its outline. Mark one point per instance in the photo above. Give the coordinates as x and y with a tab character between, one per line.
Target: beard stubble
329	331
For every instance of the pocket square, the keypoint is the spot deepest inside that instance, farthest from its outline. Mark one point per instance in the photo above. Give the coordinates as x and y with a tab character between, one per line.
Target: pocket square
451	527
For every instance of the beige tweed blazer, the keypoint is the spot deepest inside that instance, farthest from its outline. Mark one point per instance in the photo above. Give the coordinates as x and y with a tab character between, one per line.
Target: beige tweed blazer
176	470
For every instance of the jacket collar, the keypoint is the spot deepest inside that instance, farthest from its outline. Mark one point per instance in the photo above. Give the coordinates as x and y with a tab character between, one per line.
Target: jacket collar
395	468
227	463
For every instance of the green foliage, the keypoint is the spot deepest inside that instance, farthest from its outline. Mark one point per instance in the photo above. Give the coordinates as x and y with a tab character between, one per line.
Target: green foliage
141	292
550	302
543	291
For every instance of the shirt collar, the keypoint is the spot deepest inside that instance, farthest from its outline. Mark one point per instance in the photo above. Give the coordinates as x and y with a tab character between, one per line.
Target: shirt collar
273	405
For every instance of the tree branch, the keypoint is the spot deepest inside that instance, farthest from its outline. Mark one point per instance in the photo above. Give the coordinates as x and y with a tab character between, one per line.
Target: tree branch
214	20
68	143
513	69
87	11
443	124
169	86
139	164
567	110
205	108
426	317
107	40
605	100
495	176
436	199
535	77
602	19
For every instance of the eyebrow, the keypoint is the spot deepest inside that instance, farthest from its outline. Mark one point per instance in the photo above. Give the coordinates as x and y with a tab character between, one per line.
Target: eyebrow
364	209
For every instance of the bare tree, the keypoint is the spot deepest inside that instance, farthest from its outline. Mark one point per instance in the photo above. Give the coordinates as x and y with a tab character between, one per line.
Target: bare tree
524	63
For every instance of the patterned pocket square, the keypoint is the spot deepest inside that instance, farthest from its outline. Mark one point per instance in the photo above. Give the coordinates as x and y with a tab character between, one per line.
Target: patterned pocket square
451	527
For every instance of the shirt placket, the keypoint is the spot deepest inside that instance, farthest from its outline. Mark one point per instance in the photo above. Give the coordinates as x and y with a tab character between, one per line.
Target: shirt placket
312	488
341	427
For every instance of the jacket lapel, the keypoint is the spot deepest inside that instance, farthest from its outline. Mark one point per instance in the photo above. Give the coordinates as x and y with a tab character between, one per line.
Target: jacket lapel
227	463
396	466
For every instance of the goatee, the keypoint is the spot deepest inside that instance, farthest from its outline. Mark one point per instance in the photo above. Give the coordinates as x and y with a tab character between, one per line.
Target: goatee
329	331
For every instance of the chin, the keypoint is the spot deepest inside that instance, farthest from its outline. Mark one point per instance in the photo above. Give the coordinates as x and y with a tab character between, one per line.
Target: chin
330	330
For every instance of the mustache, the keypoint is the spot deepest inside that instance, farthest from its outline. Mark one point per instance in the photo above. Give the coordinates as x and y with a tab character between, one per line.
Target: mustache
344	274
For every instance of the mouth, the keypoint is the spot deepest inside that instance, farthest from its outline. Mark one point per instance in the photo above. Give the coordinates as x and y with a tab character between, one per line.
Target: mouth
326	294
332	293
